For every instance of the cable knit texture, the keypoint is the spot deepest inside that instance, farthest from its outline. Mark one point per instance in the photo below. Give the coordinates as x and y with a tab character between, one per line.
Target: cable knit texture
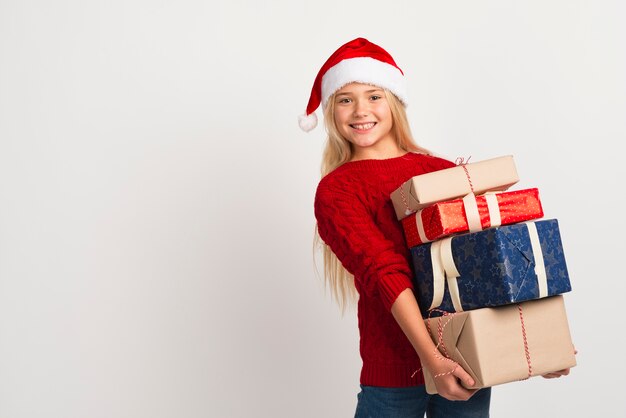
355	217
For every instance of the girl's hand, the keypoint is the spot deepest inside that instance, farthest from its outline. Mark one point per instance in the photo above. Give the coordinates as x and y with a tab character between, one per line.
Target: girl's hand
450	376
556	374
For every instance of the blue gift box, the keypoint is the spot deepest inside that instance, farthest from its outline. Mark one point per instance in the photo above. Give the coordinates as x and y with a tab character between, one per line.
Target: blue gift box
494	267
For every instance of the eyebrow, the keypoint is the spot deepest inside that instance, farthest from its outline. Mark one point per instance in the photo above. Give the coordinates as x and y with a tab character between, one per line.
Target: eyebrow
346	93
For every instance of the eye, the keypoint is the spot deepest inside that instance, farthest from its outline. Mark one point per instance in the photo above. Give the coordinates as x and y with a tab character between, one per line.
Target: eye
343	100
376	97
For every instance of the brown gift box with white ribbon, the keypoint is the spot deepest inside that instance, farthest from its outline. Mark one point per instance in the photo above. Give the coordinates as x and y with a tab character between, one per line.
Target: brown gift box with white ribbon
505	344
495	174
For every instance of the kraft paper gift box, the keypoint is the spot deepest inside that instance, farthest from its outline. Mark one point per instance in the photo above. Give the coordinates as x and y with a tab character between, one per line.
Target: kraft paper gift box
495	174
491	343
472	213
494	267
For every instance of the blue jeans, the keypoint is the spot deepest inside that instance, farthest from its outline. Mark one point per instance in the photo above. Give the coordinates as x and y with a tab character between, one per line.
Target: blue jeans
414	402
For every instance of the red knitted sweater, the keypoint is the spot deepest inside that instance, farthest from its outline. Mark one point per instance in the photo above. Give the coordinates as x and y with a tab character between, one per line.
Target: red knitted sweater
356	219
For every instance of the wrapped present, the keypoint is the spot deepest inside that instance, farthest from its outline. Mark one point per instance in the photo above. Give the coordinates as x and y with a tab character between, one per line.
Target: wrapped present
497	266
472	213
496	174
505	344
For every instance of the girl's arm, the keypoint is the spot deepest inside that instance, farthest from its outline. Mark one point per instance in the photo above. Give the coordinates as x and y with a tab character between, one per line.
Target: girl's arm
407	314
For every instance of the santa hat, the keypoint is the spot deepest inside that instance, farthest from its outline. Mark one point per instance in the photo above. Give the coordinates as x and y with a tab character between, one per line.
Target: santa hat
357	61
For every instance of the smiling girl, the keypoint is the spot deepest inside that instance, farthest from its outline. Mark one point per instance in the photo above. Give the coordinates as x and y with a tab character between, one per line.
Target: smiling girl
363	118
369	153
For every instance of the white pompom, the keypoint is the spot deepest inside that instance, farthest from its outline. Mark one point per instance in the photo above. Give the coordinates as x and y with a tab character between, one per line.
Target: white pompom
307	122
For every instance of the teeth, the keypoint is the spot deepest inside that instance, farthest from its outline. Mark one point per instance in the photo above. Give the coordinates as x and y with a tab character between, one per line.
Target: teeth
363	125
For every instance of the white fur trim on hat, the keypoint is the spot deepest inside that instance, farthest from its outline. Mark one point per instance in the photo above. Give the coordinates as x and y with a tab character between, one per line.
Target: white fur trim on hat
363	70
307	122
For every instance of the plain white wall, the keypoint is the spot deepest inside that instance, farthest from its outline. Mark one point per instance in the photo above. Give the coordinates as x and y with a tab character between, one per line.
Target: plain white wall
156	193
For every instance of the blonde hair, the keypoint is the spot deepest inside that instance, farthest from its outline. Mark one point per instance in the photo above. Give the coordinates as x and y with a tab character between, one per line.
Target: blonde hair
337	152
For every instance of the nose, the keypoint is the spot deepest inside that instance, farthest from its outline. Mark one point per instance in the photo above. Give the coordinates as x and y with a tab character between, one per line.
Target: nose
360	108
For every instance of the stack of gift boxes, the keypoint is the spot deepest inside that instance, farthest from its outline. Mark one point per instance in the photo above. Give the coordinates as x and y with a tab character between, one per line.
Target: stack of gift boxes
481	255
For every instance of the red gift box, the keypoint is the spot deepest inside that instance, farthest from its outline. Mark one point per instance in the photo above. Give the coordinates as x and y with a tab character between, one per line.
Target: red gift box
486	211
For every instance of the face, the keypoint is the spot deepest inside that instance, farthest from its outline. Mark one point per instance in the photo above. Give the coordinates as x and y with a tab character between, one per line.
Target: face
363	117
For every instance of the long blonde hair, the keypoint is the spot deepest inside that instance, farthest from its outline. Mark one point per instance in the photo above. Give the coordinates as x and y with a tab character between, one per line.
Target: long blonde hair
337	152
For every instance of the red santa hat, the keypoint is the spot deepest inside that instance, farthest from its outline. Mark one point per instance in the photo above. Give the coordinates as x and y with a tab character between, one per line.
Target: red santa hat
357	61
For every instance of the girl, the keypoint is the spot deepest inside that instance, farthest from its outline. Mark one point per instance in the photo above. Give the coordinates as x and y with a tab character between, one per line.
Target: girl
370	152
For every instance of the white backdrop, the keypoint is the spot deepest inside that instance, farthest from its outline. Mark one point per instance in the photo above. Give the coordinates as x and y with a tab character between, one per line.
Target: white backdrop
156	193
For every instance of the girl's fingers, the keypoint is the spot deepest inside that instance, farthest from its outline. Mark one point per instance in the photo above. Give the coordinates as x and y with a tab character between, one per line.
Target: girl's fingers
556	374
460	373
454	391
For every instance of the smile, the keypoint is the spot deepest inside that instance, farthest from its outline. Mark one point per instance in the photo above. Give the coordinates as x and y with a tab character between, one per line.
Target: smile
363	126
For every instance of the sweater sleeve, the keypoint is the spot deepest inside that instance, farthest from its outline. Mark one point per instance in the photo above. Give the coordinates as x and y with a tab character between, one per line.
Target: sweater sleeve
347	227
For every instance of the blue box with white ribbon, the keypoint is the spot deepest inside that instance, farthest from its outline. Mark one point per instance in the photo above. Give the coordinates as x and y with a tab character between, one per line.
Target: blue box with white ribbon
494	267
